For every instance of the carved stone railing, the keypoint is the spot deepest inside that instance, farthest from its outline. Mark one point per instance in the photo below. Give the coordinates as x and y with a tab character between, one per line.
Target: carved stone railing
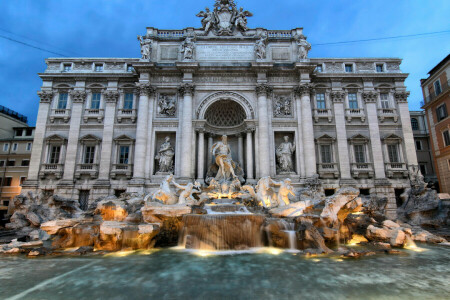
87	169
126	114
396	168
362	169
328	170
279	34
351	113
386	113
93	114
51	169
122	170
60	114
324	113
170	34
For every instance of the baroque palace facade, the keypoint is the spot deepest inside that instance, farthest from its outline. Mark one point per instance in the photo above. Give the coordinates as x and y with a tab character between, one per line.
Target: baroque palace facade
111	125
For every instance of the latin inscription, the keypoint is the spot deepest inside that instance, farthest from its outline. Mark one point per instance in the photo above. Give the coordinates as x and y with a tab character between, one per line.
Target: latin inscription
225	52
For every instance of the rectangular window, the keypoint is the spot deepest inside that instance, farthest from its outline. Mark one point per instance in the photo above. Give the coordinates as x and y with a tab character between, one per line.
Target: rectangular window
1	181
128	101
55	151
325	153
418	145
8	181
320	101
414	124
25	163
67	67
319	68
380	68
393	153
348	68
19	132
441	112
352	101
11	163
22	180
29	146
437	87
423	169
15	146
446	136
6	147
62	101
384	98
360	156
29	132
98	67
2	163
89	154
124	153
95	102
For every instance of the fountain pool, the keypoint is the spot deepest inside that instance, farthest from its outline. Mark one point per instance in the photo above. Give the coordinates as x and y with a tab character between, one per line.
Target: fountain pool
266	274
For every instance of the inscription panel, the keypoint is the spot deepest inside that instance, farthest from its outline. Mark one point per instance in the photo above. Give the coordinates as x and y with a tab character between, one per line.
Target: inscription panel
227	52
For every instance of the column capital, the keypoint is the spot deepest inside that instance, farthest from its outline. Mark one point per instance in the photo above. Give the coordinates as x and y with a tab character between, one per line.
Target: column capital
304	89
186	89
200	130
78	96
401	97
45	96
370	97
263	89
337	97
111	96
145	89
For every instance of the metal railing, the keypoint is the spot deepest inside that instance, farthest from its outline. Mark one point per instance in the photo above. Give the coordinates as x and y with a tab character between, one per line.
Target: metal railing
444	88
13	114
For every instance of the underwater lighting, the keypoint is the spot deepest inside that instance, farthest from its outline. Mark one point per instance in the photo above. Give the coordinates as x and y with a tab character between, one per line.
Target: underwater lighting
121	253
415	248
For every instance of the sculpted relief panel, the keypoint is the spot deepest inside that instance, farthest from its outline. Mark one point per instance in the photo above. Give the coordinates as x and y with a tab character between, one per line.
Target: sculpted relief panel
282	106
167	106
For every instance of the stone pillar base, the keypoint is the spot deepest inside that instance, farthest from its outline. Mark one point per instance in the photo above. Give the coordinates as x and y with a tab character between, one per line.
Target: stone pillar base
383	188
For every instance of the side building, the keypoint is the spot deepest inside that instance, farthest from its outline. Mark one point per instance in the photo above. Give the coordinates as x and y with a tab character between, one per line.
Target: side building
436	93
16	142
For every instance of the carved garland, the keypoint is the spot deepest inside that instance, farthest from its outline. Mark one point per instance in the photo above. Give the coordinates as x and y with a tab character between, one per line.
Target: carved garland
221	96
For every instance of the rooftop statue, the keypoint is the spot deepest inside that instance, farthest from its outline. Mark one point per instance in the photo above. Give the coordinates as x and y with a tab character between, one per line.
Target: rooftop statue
146	47
303	47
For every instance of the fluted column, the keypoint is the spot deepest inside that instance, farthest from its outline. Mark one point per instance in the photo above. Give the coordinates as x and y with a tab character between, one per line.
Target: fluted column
300	146
78	98
249	160
39	135
144	91
262	90
403	110
210	145
309	152
374	130
187	91
341	134
111	97
241	150
201	154
150	160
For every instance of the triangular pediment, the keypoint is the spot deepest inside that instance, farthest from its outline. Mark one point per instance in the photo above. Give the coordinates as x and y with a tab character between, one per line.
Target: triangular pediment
56	138
359	137
123	138
90	138
325	137
392	137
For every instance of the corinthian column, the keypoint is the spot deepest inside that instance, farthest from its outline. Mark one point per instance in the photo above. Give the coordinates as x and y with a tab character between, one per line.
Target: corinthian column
187	91
262	90
201	154
341	134
78	98
309	151
145	90
403	110
249	154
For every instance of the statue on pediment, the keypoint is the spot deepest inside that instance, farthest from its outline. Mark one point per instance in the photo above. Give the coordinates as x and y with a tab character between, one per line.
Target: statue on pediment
303	47
260	48
187	48
208	20
146	47
241	19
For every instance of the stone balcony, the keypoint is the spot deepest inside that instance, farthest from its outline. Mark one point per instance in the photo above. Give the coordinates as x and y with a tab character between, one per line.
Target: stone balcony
325	113
51	169
63	114
328	170
396	169
122	170
387	113
90	170
355	113
97	114
362	170
126	114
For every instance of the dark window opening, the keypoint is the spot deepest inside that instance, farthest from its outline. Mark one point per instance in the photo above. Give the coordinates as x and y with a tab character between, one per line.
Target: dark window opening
11	163
398	199
84	199
8	181
5	203
364	192
329	192
118	193
25	163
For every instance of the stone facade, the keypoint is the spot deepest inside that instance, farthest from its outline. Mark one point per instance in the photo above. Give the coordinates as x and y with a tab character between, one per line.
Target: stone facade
101	122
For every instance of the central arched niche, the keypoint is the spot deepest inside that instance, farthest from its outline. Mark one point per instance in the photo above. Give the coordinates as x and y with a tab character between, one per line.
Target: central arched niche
225	113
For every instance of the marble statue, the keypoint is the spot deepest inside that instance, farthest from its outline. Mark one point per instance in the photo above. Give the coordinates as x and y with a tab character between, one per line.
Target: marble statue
188	191
165	193
146	47
165	156
303	47
187	48
208	20
167	105
222	152
241	19
284	191
285	153
260	48
265	193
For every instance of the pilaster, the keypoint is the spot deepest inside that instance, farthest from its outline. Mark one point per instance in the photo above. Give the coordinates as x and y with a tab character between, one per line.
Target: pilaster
300	146
262	91
249	154
341	134
402	101
187	91
201	155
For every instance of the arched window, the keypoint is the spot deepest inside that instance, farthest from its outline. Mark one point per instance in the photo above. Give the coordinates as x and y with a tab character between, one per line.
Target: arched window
414	124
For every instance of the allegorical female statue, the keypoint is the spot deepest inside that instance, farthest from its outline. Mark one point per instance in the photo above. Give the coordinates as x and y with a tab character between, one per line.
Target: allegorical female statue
165	157
284	154
222	152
